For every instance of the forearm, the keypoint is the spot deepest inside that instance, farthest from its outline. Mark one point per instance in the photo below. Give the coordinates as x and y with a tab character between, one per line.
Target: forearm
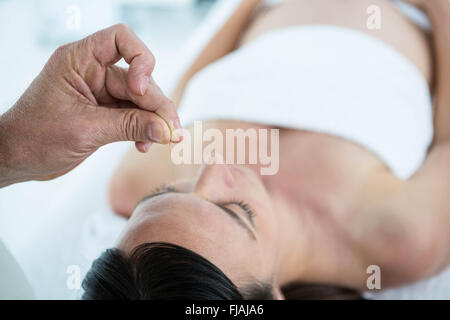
7	172
18	161
422	206
439	14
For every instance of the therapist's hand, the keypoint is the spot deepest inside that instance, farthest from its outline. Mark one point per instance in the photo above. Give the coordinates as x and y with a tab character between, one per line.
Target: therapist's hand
82	101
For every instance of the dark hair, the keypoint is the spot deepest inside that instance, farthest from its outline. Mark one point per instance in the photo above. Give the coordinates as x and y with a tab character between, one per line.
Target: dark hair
163	271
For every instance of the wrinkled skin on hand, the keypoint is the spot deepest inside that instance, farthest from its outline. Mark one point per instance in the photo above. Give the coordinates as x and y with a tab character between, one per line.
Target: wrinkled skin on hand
82	101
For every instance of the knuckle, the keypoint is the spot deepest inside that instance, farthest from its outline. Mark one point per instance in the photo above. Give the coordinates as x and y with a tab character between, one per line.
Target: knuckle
62	49
130	125
60	53
122	27
151	59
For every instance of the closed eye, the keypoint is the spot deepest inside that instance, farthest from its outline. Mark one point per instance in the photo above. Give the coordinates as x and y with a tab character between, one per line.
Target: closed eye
223	206
242	206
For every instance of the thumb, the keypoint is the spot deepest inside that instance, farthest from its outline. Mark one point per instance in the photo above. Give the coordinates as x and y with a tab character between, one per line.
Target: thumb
132	124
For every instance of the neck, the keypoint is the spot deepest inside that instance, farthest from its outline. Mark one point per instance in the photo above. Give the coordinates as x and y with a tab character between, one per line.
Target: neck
313	249
294	232
295	226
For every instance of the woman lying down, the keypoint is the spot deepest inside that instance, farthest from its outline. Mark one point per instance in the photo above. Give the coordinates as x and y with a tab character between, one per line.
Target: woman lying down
362	182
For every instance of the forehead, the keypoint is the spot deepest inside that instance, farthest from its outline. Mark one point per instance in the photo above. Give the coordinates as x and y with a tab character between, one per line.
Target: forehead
182	219
192	223
172	201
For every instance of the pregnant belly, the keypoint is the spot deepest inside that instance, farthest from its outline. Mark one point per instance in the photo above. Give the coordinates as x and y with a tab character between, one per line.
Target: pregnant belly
395	29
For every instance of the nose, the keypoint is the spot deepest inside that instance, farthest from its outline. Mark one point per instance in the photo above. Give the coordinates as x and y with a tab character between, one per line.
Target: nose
214	180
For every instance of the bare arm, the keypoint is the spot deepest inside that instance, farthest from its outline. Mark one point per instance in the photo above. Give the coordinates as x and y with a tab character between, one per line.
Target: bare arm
427	194
439	13
221	44
408	229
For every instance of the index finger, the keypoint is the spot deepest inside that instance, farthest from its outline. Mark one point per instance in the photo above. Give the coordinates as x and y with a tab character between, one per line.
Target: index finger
119	41
153	100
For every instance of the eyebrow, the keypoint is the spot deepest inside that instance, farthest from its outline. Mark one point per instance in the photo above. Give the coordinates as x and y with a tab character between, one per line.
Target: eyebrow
230	212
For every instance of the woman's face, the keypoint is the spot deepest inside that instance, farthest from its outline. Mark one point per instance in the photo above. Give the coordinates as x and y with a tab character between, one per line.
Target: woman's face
225	215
